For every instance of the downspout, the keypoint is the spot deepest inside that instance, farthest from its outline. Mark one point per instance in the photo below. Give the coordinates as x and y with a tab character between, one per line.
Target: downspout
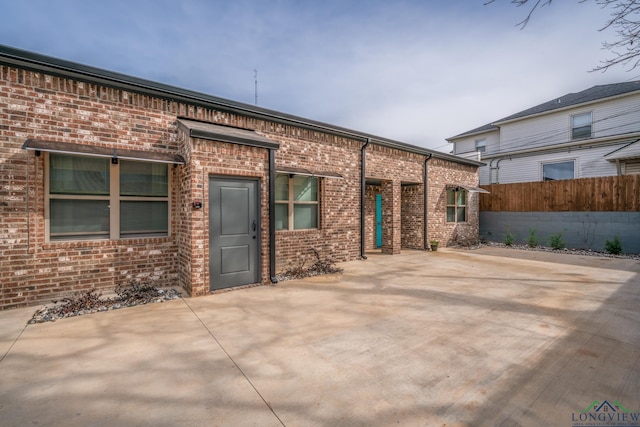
363	188
272	216
497	168
426	199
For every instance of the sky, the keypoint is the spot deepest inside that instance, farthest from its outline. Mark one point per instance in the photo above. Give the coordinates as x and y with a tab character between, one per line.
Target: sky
416	71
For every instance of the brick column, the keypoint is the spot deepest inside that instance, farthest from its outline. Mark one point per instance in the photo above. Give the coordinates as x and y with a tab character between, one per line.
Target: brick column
391	217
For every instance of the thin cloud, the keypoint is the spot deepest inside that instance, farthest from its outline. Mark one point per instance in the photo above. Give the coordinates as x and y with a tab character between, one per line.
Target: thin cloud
413	71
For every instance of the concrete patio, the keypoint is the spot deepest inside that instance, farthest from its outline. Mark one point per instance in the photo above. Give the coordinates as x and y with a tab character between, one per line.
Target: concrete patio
453	338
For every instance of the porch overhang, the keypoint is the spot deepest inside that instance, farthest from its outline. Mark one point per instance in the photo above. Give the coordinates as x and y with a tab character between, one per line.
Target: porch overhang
468	188
227	134
38	145
307	172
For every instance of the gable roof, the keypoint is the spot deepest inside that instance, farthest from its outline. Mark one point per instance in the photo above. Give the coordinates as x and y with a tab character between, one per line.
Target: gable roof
592	94
57	67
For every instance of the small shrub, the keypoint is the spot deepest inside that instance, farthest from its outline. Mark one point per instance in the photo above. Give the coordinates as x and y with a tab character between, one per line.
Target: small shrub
533	240
614	246
509	238
556	242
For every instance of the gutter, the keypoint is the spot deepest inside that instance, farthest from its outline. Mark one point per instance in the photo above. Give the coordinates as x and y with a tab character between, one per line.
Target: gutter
363	188
579	145
272	216
45	64
606	140
426	205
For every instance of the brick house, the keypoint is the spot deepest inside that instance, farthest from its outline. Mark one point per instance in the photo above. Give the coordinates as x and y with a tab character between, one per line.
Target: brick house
108	179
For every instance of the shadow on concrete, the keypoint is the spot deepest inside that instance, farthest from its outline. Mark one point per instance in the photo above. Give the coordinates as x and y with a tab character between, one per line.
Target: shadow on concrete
457	340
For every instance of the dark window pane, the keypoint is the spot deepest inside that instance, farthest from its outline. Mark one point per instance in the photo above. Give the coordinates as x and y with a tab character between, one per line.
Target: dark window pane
144	217
581	126
78	175
581	132
79	217
451	214
143	179
555	171
451	197
305	216
305	188
282	187
282	216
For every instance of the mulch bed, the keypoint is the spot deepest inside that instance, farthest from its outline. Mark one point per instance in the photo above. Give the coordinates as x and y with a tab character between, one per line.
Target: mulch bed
92	301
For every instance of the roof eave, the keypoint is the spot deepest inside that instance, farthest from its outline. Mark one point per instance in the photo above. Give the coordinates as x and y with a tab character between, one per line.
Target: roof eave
468	134
67	69
565	108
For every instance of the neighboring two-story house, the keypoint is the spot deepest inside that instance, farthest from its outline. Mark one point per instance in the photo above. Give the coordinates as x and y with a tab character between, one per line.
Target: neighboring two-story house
595	132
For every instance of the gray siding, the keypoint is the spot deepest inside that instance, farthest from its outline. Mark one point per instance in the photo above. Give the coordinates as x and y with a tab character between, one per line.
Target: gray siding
580	230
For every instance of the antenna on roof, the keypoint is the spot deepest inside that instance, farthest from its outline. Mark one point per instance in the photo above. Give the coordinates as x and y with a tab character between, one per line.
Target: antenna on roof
255	80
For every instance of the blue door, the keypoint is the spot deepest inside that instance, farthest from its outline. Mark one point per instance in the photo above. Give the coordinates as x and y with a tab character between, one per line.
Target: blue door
378	220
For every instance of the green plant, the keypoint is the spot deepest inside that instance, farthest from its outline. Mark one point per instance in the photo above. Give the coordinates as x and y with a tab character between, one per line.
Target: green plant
556	242
533	240
509	238
434	242
613	246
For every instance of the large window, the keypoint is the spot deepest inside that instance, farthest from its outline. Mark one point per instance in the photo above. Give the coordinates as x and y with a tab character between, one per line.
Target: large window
558	170
91	197
581	126
456	205
296	202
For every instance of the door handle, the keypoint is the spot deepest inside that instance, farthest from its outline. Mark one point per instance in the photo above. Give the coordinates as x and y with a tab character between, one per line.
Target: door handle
254	226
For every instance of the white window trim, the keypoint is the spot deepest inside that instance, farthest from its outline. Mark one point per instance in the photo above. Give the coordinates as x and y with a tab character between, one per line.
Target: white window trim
571	138
550	162
114	199
484	145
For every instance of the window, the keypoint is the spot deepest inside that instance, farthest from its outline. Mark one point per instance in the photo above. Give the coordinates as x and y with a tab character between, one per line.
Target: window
581	126
296	202
558	170
456	205
91	197
481	145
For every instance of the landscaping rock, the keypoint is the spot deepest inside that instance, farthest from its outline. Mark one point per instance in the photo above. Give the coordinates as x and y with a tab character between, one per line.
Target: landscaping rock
92	302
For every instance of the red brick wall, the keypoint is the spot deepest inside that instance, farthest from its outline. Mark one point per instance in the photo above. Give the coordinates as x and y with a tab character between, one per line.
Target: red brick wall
370	216
441	173
209	159
38	106
412	217
338	237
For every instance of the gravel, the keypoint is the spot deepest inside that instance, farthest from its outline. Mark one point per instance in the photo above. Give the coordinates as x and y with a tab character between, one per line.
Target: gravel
548	249
321	267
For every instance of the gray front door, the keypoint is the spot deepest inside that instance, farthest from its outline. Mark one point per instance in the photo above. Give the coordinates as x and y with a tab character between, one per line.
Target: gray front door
234	230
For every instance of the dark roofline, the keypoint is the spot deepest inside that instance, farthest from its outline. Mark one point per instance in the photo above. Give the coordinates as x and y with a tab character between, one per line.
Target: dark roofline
57	67
477	131
570	100
587	96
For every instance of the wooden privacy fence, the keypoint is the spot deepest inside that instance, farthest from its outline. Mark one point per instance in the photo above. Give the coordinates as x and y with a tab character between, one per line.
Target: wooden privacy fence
601	194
